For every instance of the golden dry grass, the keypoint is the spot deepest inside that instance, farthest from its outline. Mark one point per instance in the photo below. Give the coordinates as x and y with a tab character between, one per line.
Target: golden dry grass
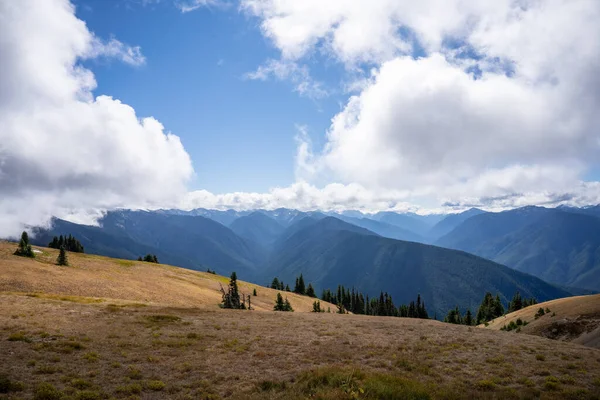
575	319
107	278
76	342
165	352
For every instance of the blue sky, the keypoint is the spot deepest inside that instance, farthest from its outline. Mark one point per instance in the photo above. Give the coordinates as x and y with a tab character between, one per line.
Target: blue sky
238	132
408	106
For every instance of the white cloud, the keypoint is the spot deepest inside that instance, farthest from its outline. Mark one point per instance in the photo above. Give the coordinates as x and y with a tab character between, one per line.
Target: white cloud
299	75
62	150
495	102
190	5
338	197
115	49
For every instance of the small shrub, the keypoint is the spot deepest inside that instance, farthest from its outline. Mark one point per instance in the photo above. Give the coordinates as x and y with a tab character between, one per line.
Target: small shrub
46	391
519	322
486	384
267	386
92	356
551	383
539	313
540	357
79	383
19	337
134	373
134	388
156	385
46	370
88	395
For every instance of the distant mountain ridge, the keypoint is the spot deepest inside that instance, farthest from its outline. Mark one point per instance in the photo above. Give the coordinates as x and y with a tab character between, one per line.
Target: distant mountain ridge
362	250
559	245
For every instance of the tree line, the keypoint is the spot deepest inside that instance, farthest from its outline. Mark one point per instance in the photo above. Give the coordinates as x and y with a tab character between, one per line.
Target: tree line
68	242
352	300
490	308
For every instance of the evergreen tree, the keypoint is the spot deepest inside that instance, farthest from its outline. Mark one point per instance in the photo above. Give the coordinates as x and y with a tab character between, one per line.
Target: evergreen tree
489	309
254	292
316	306
140	258
287	288
62	257
24	249
468	318
516	303
310	291
454	316
279	305
275	284
300	288
231	298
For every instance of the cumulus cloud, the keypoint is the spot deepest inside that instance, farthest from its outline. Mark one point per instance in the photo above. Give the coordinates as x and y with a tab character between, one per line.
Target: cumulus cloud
483	102
62	150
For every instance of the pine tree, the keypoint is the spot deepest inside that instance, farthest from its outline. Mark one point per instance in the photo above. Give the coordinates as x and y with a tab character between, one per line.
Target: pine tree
287	288
254	292
140	258
279	305
468	318
231	298
453	316
310	291
62	257
275	284
516	303
316	306
300	288
24	249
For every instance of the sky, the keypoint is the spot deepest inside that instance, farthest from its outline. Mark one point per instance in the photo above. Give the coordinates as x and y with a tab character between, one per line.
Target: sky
437	105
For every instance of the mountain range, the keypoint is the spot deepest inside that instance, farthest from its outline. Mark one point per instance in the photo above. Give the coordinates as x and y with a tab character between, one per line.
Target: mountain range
372	253
560	245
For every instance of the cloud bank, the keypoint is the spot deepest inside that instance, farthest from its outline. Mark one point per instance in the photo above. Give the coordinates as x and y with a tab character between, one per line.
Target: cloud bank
62	150
458	102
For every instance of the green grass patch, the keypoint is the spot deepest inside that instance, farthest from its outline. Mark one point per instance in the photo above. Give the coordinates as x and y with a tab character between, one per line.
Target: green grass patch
47	391
134	388
125	263
160	320
19	337
155	385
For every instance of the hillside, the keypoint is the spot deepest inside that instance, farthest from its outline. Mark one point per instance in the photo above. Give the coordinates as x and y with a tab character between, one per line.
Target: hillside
330	252
574	319
557	246
125	280
59	347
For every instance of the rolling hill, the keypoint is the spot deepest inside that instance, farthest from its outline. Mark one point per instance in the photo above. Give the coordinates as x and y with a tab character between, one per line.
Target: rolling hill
330	252
112	279
573	319
555	245
111	328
